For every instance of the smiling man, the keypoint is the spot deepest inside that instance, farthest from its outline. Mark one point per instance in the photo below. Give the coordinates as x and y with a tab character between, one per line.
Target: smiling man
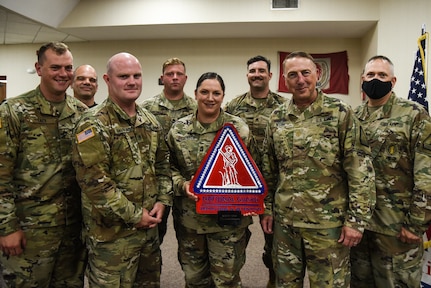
122	165
40	211
254	107
85	85
321	189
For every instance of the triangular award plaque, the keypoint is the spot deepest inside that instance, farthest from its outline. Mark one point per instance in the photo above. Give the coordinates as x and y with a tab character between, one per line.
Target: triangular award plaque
228	179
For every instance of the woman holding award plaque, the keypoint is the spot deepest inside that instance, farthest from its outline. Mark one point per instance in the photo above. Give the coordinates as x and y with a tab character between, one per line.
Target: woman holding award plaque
211	252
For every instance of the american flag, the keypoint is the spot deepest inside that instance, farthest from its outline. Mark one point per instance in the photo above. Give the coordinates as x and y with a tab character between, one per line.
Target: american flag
418	89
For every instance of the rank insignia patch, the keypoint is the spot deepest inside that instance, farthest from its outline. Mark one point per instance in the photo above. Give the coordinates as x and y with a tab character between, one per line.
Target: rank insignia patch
228	178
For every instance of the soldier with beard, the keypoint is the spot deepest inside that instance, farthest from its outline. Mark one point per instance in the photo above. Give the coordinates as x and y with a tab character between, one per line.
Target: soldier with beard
254	107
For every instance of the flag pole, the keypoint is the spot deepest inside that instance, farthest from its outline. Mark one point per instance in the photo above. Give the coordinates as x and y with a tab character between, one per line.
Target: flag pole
418	81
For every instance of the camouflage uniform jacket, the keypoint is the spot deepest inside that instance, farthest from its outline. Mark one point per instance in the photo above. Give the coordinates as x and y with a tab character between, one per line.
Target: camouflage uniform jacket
255	114
37	181
318	167
166	112
188	142
399	134
122	166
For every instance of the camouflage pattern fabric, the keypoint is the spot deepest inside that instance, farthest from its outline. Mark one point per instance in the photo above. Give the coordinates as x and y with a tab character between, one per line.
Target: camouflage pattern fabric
122	166
37	180
399	134
167	112
63	258
222	266
384	261
318	167
188	142
327	260
256	114
319	173
38	189
115	264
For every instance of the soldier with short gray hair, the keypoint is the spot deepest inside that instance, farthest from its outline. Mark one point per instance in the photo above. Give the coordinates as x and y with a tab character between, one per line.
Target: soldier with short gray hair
320	178
399	133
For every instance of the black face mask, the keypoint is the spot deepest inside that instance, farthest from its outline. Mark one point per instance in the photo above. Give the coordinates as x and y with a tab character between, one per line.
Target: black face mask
376	89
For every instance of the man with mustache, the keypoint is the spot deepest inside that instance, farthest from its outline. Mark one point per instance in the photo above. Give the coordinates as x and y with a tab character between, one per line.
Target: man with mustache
254	107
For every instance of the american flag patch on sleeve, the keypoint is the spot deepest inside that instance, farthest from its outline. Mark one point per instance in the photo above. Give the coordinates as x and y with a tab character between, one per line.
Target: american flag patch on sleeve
85	135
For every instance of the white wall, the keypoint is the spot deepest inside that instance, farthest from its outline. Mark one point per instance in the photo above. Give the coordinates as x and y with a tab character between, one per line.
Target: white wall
398	30
93	13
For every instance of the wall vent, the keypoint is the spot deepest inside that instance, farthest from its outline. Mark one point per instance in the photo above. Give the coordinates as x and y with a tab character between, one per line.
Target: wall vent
284	4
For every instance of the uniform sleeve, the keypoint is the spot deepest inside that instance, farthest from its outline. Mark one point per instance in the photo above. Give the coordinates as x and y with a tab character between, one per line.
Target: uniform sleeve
91	160
419	214
9	144
163	172
177	178
358	166
227	107
269	171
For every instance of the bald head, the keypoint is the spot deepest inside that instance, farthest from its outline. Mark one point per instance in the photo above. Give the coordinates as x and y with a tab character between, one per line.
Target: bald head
121	59
84	84
124	79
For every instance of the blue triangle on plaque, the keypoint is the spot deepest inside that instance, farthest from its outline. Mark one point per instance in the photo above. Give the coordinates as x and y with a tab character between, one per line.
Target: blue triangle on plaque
228	179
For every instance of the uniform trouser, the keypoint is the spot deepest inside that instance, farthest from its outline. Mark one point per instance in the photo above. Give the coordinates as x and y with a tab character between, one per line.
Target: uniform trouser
53	257
384	261
212	259
163	226
132	261
317	250
267	258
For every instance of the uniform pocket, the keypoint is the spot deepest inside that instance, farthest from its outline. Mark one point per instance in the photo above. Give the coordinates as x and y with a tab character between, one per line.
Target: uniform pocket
410	259
324	148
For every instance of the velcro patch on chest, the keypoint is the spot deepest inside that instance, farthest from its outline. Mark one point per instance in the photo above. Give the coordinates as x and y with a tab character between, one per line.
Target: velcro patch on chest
85	135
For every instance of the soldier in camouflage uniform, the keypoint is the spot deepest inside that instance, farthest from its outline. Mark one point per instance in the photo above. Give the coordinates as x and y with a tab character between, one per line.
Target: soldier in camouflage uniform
85	84
40	203
210	255
122	165
320	180
254	107
169	106
399	133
